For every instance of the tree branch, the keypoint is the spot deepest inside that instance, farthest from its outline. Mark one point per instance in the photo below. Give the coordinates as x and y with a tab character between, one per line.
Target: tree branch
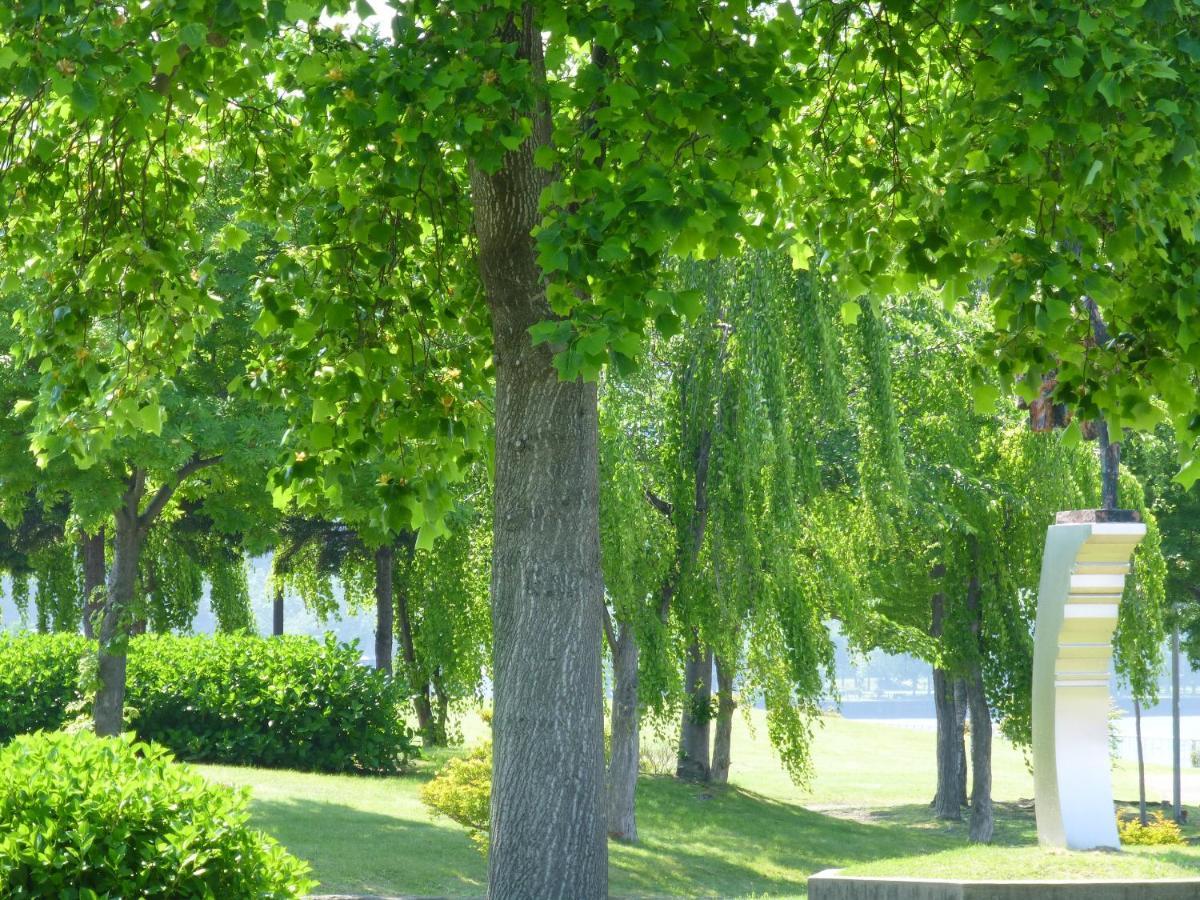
164	494
609	630
663	506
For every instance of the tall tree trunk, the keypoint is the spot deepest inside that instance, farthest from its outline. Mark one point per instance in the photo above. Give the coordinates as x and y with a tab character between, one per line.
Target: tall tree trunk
384	559
1110	450
548	835
1176	742
947	800
625	739
128	537
723	736
982	818
960	711
418	685
277	609
1137	728
92	552
695	726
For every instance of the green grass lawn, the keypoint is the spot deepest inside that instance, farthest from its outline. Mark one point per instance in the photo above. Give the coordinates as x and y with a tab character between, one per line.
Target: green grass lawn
866	808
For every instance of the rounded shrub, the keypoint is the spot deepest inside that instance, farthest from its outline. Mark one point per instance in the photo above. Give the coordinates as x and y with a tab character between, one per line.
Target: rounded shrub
462	791
82	816
287	702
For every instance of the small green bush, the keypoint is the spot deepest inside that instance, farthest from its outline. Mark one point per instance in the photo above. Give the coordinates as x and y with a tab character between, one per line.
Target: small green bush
462	791
1158	831
91	817
288	702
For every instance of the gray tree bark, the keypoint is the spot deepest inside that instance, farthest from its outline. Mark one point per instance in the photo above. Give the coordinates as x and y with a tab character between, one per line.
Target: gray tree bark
132	524
277	611
128	538
547	814
1141	761
384	610
723	736
431	726
625	739
947	801
695	727
92	551
982	815
982	818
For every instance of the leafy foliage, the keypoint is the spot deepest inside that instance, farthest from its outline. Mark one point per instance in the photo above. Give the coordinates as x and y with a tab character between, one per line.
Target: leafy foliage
98	817
286	702
1158	831
462	791
39	679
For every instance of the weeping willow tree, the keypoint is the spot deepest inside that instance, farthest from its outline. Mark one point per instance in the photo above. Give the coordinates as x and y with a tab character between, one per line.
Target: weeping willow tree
955	561
720	533
432	600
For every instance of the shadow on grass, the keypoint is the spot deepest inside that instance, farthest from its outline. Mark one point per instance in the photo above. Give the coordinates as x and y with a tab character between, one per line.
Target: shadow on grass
708	841
1015	823
354	851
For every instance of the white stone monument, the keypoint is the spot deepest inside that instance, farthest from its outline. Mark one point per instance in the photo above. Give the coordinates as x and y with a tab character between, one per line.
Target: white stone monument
1086	560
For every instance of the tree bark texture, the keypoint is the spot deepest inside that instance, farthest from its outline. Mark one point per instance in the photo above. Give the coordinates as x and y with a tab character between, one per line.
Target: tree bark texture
625	738
92	547
431	727
960	710
695	728
384	614
128	538
947	802
132	524
982	815
1137	725
548	834
277	611
723	735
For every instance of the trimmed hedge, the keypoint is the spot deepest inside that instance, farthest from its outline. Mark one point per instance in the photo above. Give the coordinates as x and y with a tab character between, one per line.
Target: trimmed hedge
107	817
288	702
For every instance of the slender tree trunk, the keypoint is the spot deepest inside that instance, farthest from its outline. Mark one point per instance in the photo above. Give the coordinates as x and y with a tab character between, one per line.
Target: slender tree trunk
695	761
1110	450
132	524
960	712
723	736
982	818
947	799
384	559
418	684
128	537
92	547
1176	742
625	739
277	609
548	835
1137	727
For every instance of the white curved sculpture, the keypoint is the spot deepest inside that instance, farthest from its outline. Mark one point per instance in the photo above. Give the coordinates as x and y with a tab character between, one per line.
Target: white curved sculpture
1086	560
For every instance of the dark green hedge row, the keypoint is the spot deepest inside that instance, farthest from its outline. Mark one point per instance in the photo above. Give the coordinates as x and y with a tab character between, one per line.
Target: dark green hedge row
289	702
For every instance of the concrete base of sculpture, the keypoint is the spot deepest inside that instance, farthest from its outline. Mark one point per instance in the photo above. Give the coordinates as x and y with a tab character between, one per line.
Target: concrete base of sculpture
831	885
1086	560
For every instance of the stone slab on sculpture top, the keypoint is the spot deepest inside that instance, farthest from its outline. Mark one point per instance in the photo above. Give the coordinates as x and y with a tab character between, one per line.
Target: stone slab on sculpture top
1088	553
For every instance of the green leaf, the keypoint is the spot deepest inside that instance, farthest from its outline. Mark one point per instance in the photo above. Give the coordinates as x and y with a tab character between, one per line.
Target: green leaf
1189	474
232	238
1097	166
622	94
850	312
984	397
